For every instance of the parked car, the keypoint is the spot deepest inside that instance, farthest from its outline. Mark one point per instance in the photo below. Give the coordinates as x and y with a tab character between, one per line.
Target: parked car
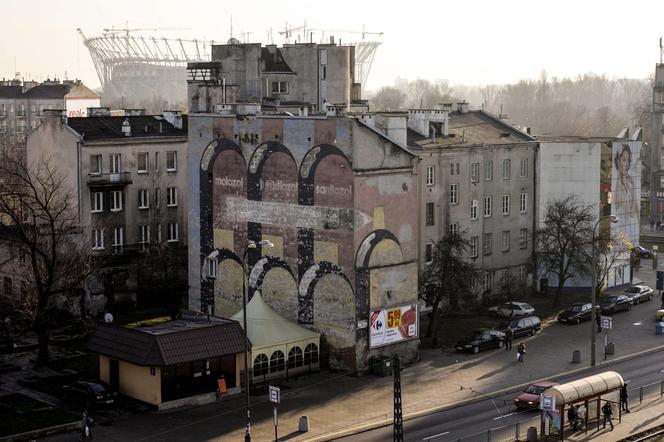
510	309
642	252
639	293
530	398
90	393
522	326
575	313
615	303
481	339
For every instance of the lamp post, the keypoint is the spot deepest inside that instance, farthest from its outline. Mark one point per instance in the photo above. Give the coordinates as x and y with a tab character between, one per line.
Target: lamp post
593	323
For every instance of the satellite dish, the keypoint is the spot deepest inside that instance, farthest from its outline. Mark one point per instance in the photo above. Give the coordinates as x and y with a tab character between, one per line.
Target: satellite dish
108	318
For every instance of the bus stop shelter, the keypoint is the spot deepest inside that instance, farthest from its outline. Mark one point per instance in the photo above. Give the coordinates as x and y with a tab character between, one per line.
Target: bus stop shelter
589	393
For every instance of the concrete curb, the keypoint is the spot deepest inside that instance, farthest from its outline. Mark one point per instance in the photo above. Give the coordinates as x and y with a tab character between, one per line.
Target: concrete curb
417	414
41	432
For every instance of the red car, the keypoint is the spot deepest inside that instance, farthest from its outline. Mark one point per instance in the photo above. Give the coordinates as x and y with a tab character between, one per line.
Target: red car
530	398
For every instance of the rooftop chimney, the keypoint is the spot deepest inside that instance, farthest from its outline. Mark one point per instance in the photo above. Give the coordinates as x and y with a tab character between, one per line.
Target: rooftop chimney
462	107
126	128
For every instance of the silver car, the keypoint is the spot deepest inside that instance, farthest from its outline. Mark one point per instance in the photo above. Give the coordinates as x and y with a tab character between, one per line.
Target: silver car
638	293
510	309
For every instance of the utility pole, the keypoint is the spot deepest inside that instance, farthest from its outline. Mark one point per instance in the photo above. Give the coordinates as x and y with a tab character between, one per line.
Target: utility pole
398	415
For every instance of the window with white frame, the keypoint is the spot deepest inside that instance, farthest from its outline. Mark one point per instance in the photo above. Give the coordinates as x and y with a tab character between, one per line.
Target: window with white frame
488	170
173	233
506	204
451	168
523	203
280	87
474	172
143	235
428	252
473	246
431	175
171	161
454	194
116	200
507	169
523	275
488	203
486	281
523	169
118	239
95	164
143	161
523	238
454	229
430	214
97	202
473	209
506	240
487	241
116	163
97	239
143	199
172	196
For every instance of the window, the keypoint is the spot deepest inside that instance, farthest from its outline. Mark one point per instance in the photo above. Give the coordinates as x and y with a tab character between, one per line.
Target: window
486	282
506	240
261	365
523	204
277	362
158	232
474	172
454	229
97	239
172	232
311	354
488	202
156	161
431	170
488	170
172	196
473	209
486	243
116	163
280	87
295	358
324	73
144	235
451	168
523	238
211	265
523	169
171	161
507	169
95	164
506	204
430	214
454	193
118	239
428	252
473	246
157	197
116	200
142	162
143	199
97	202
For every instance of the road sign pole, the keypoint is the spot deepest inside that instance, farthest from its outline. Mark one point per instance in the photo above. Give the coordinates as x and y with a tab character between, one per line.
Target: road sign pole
276	423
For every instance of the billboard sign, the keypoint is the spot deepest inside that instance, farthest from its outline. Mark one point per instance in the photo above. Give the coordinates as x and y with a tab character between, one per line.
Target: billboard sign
392	325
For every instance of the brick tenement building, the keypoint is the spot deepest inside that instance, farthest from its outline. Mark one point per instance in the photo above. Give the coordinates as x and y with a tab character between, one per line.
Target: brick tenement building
338	200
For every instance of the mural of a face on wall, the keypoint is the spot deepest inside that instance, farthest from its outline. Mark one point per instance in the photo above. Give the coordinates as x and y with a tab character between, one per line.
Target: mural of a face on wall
626	189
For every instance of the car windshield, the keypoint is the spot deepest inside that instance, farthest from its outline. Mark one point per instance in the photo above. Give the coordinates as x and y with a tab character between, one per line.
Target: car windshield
633	290
612	299
576	308
534	389
97	388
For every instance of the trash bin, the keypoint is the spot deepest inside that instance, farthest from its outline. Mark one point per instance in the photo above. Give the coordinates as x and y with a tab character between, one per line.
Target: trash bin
576	357
531	436
381	365
659	328
610	349
304	424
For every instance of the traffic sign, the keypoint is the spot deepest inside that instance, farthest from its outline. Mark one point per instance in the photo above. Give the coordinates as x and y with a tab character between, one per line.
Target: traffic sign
547	402
607	322
275	394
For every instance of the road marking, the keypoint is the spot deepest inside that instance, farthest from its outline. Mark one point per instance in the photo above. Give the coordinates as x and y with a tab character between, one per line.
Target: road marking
436	435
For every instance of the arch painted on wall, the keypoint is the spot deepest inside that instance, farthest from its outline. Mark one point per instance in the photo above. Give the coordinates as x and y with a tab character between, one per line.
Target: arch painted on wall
369	243
255	166
262	267
308	285
307	171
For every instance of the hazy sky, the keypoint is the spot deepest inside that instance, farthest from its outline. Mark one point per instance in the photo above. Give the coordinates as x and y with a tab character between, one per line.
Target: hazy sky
465	42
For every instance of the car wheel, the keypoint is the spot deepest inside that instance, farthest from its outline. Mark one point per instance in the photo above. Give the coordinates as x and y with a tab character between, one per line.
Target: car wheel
578	321
476	349
501	344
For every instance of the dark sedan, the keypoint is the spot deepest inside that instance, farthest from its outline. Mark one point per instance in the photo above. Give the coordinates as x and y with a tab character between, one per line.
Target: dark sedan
482	340
642	252
575	313
90	393
615	303
522	326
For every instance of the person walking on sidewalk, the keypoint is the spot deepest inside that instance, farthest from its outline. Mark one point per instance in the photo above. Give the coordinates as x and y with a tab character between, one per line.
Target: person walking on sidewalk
86	424
624	406
509	335
520	351
607	412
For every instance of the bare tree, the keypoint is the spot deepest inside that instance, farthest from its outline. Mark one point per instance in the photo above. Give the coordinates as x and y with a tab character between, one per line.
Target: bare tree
39	216
388	99
490	93
562	244
612	249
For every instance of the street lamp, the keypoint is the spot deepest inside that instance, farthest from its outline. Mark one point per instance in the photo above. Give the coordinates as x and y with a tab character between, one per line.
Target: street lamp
593	323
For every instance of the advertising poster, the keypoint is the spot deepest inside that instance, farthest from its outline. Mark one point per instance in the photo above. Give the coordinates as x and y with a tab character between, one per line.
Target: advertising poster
626	188
392	325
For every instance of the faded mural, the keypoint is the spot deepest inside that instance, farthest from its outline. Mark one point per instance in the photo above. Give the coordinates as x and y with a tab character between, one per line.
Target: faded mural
626	188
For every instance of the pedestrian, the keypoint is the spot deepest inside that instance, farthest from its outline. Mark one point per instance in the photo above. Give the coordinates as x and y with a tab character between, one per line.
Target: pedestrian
509	335
607	412
573	417
659	224
86	431
624	405
520	351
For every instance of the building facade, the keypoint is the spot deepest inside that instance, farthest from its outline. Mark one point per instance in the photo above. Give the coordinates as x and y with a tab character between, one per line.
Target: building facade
657	147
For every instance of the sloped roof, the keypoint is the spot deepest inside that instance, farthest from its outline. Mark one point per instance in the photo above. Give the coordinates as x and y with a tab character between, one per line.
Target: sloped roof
47	91
79	90
10	91
107	128
169	343
267	328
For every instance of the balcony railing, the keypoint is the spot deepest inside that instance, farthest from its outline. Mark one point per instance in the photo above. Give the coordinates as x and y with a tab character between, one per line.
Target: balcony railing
109	179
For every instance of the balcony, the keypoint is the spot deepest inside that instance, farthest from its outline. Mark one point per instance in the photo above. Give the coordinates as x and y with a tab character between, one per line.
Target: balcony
109	179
